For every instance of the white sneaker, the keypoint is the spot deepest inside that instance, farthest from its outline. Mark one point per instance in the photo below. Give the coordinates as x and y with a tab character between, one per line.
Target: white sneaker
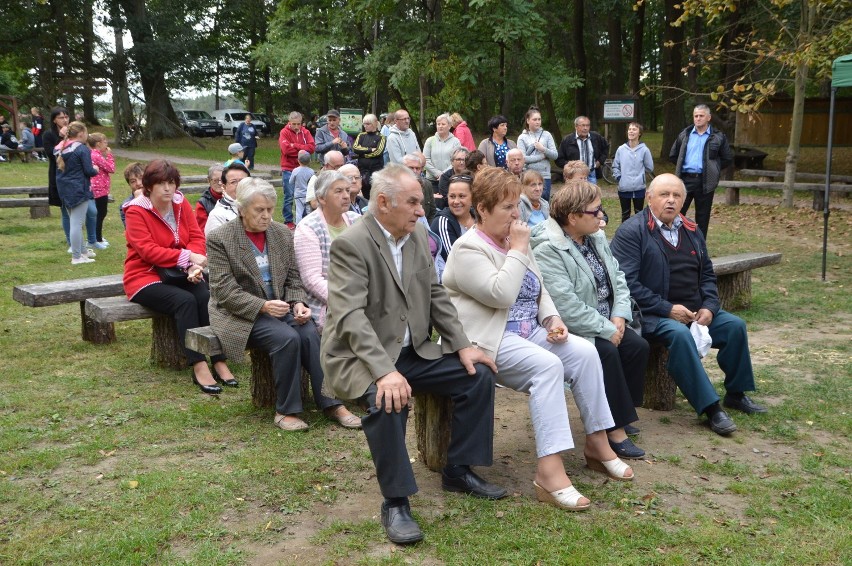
101	245
70	251
90	253
81	259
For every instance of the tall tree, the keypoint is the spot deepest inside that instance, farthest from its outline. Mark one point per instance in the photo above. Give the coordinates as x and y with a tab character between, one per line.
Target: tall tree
672	75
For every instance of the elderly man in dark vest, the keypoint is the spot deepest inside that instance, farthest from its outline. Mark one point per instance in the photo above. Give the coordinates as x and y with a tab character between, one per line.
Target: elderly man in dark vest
670	275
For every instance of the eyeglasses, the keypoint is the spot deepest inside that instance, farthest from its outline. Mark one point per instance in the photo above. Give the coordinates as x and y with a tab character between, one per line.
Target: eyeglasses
459	159
403	119
594	212
353	178
461	179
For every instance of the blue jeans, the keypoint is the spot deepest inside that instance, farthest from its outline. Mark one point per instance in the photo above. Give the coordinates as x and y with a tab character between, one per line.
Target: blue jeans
593	177
729	336
91	223
545	194
287	209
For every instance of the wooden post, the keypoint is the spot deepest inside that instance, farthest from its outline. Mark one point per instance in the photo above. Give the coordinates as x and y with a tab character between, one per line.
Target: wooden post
660	388
432	420
735	290
166	349
96	332
262	381
732	196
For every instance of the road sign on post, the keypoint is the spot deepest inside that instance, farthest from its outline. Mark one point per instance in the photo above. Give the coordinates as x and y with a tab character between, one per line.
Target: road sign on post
624	108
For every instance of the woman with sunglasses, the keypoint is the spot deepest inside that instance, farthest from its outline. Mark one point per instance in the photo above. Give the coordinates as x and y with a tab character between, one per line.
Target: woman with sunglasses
456	218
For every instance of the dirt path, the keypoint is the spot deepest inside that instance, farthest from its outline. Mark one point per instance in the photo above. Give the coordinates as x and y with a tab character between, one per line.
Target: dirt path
667	463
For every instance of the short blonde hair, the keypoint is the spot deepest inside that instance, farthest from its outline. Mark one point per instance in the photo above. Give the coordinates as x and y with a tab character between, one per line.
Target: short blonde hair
369	119
575	170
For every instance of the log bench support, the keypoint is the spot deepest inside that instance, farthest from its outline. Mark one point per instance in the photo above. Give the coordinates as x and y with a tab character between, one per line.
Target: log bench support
204	341
433	415
166	350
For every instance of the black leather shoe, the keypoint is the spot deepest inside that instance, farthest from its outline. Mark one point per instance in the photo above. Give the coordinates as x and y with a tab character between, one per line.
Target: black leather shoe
228	382
631	430
744	404
474	485
722	424
209	389
399	525
626	449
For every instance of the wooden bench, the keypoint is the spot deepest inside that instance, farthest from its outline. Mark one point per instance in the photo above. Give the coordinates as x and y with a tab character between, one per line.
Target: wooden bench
74	291
204	341
732	194
39	207
733	280
166	350
24	154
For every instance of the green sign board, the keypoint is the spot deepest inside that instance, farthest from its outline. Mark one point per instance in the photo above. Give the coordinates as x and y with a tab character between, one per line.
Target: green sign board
350	120
619	110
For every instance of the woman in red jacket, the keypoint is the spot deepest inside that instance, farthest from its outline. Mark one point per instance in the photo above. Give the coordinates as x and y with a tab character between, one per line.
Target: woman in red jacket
162	233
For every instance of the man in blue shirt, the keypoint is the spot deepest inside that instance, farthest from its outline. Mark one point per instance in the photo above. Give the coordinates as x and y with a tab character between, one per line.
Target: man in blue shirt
700	153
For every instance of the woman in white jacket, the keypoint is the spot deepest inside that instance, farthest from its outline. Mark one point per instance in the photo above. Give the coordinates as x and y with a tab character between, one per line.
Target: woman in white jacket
538	147
631	161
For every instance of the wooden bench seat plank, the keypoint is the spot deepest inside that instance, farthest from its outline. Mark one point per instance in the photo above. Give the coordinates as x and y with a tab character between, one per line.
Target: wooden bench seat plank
726	265
23	202
116	309
70	291
31	191
799	175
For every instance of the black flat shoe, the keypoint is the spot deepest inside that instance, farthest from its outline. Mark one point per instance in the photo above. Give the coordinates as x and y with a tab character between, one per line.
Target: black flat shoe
209	389
472	484
399	525
626	449
722	424
631	430
228	382
744	404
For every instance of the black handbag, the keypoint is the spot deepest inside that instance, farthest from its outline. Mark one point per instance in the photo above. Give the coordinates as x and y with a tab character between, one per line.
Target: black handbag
172	275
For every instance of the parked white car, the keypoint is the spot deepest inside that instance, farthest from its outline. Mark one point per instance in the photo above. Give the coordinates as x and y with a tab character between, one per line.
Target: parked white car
231	118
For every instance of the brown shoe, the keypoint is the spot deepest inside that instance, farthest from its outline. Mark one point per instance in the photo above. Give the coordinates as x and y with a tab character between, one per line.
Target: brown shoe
290	426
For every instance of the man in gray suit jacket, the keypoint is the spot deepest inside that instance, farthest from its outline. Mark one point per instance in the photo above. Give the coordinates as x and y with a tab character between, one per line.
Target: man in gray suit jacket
376	347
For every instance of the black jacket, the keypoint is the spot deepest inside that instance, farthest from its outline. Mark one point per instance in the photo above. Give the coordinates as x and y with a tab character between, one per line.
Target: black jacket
570	151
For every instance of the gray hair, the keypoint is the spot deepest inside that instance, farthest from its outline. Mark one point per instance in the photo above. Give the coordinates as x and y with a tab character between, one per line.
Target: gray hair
333	153
461	150
514	151
251	187
578	118
370	119
294	116
702	107
214	173
386	182
412	157
445	117
326	179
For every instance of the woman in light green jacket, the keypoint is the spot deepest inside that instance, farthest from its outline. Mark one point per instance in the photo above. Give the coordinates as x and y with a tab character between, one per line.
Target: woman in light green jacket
591	295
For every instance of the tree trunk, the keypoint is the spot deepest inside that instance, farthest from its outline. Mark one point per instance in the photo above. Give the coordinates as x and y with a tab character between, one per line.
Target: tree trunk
161	119
636	49
124	117
791	162
660	388
552	120
672	77
88	65
618	132
579	49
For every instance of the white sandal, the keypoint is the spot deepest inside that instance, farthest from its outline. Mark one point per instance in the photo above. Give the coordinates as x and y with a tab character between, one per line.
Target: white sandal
615	469
566	498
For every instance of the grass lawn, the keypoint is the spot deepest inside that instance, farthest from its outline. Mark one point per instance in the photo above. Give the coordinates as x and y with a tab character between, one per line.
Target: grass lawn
108	459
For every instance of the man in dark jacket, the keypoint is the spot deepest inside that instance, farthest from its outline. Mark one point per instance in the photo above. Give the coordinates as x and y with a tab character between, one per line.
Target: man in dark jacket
584	145
662	255
700	153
